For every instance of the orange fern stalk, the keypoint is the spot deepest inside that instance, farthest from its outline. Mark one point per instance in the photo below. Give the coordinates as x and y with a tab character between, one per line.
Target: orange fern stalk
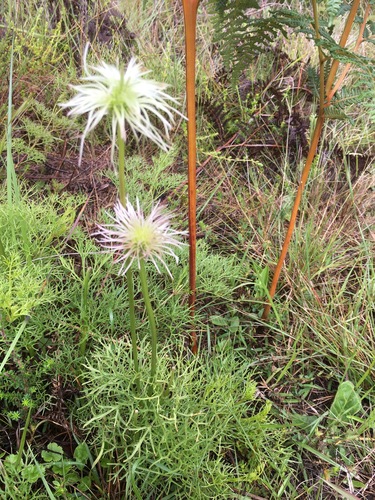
190	19
327	91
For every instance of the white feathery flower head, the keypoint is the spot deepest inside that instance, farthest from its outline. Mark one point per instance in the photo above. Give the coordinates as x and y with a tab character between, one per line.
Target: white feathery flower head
132	236
127	97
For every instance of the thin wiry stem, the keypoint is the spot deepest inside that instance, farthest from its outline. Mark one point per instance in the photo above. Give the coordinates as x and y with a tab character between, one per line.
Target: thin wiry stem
129	272
84	308
121	168
2	250
150	314
130	284
23	437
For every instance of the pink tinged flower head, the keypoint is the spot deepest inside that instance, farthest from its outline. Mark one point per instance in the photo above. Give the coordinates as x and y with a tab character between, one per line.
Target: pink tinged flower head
127	97
132	236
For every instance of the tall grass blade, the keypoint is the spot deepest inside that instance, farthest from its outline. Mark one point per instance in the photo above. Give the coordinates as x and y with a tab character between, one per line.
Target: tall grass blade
13	191
14	343
12	185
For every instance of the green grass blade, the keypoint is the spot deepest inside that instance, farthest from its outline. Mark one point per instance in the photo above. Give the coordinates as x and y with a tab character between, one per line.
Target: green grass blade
12	186
14	342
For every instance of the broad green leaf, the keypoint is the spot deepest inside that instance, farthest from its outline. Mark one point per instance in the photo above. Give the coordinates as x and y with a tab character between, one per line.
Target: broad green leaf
307	423
234	324
81	453
346	403
218	320
61	469
54	453
31	473
11	459
84	484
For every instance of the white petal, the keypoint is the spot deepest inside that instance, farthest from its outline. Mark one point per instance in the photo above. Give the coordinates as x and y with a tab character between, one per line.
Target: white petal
123	235
104	91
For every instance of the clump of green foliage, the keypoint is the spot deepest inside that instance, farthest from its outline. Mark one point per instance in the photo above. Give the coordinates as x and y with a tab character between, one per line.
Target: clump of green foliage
196	431
28	272
27	266
245	33
54	475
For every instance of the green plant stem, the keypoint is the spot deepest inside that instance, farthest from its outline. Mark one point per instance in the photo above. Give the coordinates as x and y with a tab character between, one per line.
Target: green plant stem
121	168
130	283
14	342
84	308
42	475
129	272
13	190
23	437
2	250
12	185
150	314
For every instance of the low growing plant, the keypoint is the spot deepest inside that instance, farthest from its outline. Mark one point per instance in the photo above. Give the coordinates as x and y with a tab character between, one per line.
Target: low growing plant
200	432
67	477
42	225
334	435
29	276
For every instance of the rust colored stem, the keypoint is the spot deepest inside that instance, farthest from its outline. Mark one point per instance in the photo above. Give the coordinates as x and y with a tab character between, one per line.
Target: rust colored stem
297	201
190	19
338	84
324	89
342	43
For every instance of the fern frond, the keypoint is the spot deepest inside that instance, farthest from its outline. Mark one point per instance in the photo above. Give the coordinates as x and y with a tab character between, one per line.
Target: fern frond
362	92
333	8
236	8
244	36
334	113
313	81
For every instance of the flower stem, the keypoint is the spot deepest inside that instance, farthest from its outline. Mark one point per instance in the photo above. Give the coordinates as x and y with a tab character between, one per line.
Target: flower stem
84	311
150	313
121	169
23	437
129	273
130	283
